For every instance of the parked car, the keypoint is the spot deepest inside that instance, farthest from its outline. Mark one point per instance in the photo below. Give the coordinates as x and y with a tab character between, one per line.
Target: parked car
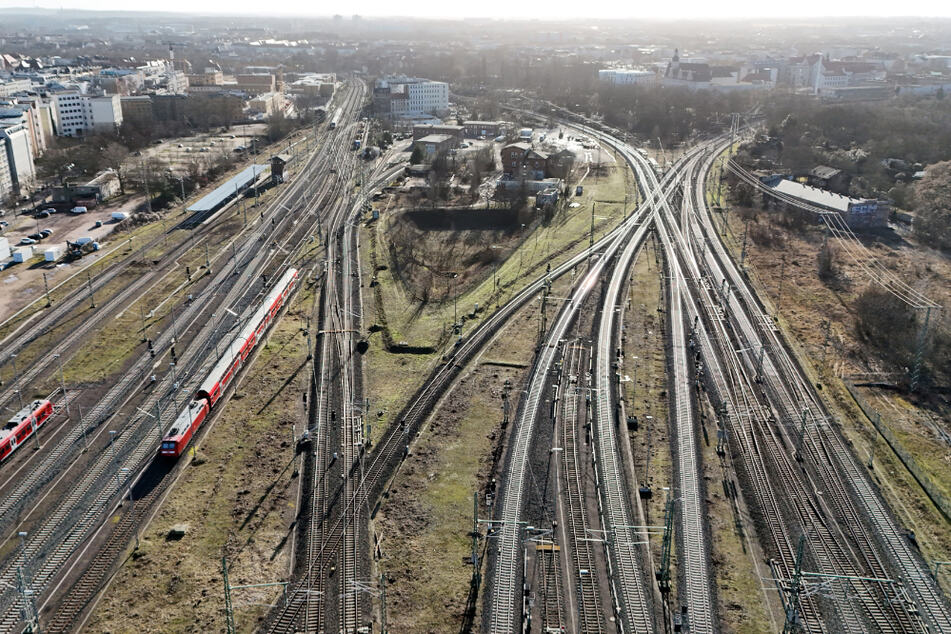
36	236
46	233
4	224
78	210
98	224
42	214
26	241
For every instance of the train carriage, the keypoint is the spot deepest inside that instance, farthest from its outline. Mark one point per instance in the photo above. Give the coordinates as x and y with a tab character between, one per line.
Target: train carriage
224	371
174	442
23	425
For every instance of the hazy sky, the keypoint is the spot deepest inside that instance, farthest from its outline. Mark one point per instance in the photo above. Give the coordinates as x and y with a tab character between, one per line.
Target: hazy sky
552	9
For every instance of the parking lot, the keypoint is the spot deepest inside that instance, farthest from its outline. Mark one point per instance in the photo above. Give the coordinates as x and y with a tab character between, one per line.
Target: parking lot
180	154
21	282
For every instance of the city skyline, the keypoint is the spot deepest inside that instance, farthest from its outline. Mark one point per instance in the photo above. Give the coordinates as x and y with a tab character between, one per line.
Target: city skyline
561	10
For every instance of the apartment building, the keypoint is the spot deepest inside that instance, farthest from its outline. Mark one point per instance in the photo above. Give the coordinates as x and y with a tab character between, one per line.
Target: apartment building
80	114
408	97
18	155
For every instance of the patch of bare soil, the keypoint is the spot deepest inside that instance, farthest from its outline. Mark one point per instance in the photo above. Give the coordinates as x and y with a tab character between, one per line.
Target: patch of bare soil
237	497
425	521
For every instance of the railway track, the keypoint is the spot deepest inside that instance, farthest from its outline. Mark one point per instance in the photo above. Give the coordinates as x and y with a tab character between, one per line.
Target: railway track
390	450
692	536
591	616
634	606
878	607
135	446
29	332
623	534
785	383
44	468
312	606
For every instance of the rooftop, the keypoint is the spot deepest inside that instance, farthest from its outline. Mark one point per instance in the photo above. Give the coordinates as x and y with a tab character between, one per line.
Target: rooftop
816	196
435	138
227	189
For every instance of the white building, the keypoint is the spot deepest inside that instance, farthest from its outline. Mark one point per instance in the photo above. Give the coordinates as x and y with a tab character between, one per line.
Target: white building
6	181
71	113
9	86
408	97
626	77
106	113
79	114
18	154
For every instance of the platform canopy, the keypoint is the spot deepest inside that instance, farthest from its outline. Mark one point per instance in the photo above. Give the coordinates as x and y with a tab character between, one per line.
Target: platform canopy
228	189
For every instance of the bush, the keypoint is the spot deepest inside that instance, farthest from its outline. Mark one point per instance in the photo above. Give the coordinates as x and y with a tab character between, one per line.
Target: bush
886	322
828	262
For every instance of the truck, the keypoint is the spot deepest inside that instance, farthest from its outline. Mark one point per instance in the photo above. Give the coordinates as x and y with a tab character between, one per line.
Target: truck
79	248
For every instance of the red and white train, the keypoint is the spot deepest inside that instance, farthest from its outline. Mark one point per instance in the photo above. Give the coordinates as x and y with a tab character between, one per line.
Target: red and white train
217	381
23	425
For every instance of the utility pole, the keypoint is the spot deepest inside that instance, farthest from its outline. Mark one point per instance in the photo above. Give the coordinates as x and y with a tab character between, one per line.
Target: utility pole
27	604
782	275
62	382
920	350
746	228
46	285
92	299
793	624
158	421
476	571
663	575
591	235
802	435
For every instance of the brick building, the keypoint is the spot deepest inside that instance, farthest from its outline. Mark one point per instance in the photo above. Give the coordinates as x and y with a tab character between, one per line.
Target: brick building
522	161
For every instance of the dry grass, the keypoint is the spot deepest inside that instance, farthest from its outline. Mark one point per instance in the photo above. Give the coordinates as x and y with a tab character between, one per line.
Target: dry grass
806	304
239	500
426	520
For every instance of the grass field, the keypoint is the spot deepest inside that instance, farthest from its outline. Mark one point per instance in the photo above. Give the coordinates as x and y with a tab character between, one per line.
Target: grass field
237	494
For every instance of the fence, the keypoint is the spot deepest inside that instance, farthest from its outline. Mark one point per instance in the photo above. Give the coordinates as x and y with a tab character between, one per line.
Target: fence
921	476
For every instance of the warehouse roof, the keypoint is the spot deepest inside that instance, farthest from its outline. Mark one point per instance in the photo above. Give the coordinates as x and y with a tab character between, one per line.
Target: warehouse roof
227	189
816	196
435	138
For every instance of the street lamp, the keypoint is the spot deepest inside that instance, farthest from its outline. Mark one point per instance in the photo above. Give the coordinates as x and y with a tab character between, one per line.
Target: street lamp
124	471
